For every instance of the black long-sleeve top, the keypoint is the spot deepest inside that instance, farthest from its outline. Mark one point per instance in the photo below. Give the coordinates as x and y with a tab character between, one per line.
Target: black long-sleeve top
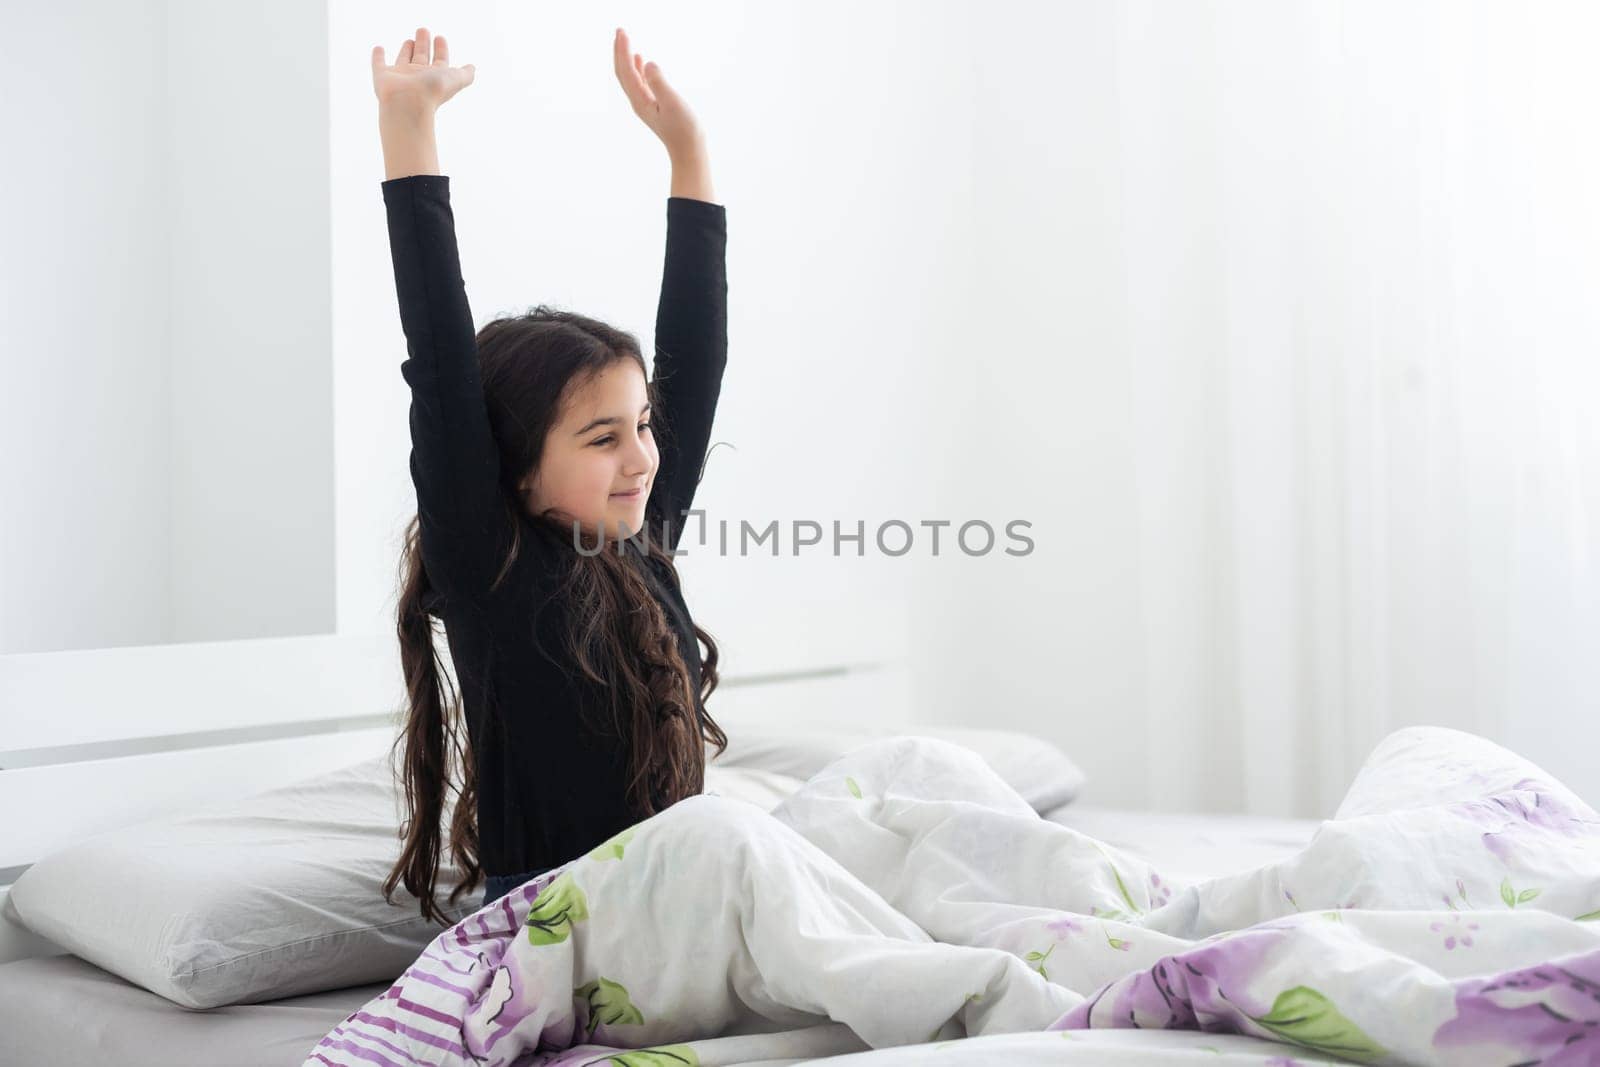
549	786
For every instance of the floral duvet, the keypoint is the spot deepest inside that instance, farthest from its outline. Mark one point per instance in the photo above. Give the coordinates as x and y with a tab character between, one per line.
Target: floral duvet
906	901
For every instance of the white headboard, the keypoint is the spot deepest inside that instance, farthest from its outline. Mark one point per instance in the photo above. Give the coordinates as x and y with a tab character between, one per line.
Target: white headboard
94	740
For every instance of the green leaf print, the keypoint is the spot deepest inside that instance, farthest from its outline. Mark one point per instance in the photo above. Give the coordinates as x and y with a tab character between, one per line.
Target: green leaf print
1306	1017
665	1056
1122	888
1590	917
1037	959
855	790
612	849
553	912
1509	894
1120	944
608	1003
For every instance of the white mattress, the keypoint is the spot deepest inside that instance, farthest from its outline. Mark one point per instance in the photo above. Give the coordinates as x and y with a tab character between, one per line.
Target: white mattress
62	1010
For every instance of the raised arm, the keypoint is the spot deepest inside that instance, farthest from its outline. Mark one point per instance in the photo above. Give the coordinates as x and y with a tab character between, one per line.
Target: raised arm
692	315
691	352
454	462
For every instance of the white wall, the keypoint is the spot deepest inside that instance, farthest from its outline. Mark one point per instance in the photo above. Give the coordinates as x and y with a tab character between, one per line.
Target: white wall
847	258
251	299
1035	408
1293	304
1061	263
85	326
1000	261
167	409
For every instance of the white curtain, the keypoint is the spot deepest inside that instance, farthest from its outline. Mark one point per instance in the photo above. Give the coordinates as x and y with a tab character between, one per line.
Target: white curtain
1362	289
1330	270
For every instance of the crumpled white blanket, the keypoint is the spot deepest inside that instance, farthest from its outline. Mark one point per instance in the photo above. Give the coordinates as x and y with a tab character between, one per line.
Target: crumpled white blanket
1443	916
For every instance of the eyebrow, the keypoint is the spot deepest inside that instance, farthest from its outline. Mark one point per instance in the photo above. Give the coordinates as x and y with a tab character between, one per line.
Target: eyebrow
605	422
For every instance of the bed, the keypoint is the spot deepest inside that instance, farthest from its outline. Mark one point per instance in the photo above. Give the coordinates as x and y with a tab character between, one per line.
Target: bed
113	1021
1519	870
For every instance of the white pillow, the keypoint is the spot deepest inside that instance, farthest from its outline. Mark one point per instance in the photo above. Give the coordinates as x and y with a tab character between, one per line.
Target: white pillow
274	896
765	789
1040	772
280	894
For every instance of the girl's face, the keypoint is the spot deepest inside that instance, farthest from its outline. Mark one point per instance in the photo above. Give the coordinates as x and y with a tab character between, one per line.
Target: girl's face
601	446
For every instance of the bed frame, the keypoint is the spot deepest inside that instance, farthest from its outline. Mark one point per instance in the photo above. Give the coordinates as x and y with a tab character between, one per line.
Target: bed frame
103	738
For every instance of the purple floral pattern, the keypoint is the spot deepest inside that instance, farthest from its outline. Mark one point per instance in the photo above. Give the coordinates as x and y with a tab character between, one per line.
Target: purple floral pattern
1548	1014
1368	944
1192	991
1530	817
1065	926
1160	892
1281	978
1455	931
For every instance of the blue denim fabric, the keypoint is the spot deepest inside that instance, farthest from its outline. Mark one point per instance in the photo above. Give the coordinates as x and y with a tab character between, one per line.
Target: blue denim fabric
496	886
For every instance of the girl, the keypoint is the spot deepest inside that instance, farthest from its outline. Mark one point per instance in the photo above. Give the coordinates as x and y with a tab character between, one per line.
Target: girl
582	683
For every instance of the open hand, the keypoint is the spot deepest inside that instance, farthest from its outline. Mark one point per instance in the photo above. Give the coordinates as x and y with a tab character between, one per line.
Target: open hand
657	103
417	79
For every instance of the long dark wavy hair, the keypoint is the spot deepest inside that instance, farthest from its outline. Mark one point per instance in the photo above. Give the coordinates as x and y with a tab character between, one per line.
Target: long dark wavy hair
617	638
